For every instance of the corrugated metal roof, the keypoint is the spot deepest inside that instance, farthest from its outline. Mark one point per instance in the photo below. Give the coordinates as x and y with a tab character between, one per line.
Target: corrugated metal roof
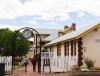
51	37
46	31
72	34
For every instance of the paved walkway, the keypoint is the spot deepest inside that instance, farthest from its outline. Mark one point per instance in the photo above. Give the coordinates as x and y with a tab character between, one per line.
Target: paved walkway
20	72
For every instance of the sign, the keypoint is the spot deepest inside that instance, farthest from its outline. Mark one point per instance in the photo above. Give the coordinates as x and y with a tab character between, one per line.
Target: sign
97	40
46	55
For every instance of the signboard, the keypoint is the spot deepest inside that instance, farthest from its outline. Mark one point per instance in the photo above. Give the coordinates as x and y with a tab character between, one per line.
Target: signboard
97	40
46	55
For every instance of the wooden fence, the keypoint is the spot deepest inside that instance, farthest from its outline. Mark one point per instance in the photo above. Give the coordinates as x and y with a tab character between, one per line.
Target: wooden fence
60	64
8	63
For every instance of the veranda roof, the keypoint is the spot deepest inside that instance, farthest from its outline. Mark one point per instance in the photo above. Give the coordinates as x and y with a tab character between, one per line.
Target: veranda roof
75	34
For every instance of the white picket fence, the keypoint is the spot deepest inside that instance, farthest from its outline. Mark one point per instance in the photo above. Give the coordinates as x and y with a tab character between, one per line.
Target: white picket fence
8	63
60	64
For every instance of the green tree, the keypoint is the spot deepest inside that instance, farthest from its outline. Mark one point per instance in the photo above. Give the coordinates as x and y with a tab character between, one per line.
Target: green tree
22	44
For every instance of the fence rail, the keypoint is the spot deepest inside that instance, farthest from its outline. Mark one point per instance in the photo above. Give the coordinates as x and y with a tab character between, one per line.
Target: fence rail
8	63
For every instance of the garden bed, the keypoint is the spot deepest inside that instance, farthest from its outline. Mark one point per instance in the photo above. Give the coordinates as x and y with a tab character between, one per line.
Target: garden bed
85	73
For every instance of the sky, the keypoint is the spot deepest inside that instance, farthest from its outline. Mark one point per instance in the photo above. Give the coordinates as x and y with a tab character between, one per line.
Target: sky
51	14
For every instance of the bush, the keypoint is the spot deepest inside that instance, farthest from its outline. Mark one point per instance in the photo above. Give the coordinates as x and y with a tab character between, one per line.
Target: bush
89	63
75	67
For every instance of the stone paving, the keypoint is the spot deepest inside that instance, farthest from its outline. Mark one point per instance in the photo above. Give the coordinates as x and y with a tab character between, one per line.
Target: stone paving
20	72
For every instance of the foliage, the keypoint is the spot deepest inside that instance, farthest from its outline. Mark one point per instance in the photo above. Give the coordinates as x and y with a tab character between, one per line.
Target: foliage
75	67
22	45
89	63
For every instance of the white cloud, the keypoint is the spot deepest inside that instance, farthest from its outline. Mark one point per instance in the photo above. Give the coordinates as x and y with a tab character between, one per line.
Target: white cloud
11	9
11	27
15	27
81	14
52	23
48	9
32	21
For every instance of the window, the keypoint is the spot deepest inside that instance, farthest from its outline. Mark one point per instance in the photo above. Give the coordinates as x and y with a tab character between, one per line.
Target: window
66	48
43	43
51	48
73	48
74	45
59	50
46	48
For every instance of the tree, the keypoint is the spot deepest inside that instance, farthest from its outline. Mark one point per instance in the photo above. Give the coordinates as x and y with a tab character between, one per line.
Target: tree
22	44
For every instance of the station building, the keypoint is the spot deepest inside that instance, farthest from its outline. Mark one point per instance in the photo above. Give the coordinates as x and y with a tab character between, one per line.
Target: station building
72	46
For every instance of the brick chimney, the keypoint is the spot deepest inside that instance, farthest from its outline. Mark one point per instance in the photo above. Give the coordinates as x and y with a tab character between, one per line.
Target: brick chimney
73	26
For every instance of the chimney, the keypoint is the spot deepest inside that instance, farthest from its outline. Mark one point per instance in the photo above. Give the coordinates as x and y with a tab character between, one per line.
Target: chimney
60	33
65	27
73	26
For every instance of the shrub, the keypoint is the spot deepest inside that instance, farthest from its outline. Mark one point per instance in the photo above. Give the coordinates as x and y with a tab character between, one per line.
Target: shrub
75	67
89	63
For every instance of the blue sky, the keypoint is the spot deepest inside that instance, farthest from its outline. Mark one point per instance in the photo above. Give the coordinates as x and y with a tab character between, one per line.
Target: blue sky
53	14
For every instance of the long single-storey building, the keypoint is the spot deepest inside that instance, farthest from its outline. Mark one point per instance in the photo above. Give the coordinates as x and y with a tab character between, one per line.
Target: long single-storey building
72	46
